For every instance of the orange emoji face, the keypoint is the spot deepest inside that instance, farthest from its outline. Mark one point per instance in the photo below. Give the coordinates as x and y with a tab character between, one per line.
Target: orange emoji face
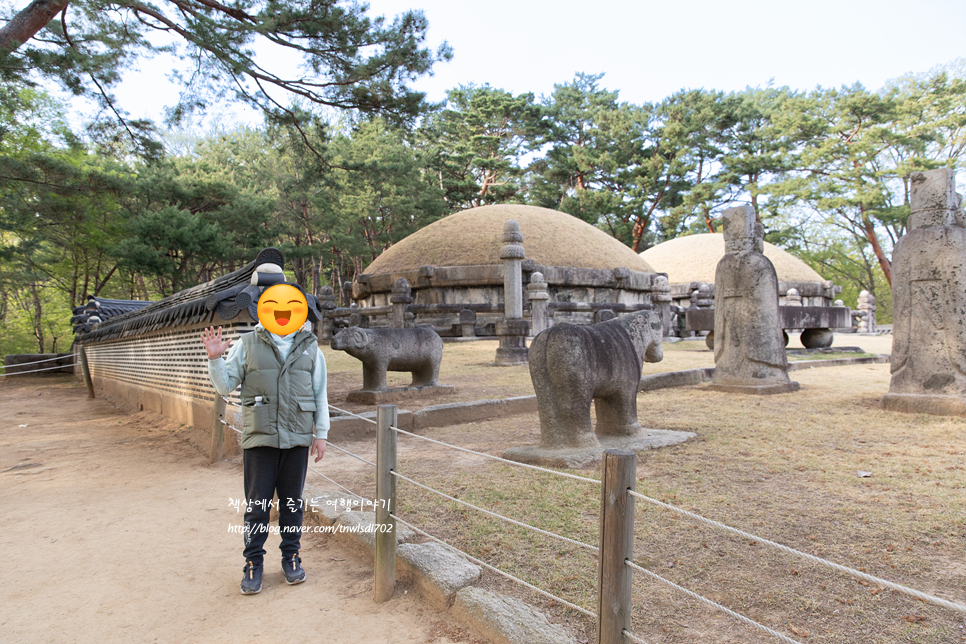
282	309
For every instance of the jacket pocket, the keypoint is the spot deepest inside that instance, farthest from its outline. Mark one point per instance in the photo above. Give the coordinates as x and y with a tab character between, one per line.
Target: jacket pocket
258	419
306	415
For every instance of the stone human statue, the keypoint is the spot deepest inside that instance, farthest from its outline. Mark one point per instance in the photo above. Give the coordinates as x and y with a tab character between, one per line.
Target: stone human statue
749	348
929	301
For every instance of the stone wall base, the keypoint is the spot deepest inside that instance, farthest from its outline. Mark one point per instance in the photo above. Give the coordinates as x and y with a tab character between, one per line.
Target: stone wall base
925	404
180	409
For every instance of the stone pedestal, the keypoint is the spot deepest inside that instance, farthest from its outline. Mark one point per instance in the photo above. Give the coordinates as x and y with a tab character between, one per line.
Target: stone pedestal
398	394
468	323
581	457
749	348
929	302
513	342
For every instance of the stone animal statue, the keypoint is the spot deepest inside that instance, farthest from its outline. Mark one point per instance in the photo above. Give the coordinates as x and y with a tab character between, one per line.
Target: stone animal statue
418	350
570	366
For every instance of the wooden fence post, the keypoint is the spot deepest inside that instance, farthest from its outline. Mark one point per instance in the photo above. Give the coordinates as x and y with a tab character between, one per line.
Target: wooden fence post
217	430
87	372
618	471
385	564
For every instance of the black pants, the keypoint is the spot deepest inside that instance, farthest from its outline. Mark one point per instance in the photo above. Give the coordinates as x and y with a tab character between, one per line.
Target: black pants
269	470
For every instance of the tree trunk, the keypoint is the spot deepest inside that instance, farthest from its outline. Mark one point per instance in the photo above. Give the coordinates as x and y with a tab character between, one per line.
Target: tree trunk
144	287
38	317
28	22
100	285
877	248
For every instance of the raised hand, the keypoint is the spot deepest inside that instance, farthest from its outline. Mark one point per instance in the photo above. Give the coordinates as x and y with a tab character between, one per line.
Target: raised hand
214	345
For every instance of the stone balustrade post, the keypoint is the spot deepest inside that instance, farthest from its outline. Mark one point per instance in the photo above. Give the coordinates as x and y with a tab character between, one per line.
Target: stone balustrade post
867	307
326	304
513	329
400	299
539	296
661	298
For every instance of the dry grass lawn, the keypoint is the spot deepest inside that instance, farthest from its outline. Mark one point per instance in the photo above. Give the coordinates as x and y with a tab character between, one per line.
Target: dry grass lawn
782	467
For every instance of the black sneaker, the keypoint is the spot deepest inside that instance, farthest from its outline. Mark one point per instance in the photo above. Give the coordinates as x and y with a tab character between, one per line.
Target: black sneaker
251	583
292	567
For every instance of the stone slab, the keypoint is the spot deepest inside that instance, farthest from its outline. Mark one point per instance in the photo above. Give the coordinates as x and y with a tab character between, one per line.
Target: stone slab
583	457
654	381
399	394
763	390
437	572
837	362
823	351
505	620
356	529
925	404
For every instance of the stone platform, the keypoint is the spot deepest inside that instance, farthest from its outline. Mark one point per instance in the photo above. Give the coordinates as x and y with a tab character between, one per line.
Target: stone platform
582	457
399	394
758	390
925	404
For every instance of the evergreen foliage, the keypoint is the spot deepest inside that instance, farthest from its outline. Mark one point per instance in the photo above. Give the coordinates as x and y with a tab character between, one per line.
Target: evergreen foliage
826	170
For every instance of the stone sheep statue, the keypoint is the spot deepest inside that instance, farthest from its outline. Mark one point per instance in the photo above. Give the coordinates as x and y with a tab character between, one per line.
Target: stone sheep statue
418	350
570	366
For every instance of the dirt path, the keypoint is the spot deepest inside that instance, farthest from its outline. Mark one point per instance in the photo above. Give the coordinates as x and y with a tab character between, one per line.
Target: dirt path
115	529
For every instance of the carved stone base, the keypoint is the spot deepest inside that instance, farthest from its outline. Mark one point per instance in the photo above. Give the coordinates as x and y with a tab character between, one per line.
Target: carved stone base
513	342
395	395
925	404
581	457
759	390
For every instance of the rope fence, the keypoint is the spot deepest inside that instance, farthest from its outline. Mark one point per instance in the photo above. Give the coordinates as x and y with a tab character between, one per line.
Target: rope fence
338	485
938	601
499	516
345	451
20	373
24	364
694	595
497	570
615	566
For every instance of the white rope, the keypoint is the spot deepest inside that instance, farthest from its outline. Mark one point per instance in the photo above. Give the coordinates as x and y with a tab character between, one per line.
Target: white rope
730	612
20	373
632	636
225	422
23	364
499	516
497	570
345	451
497	458
851	571
349	413
336	484
228	402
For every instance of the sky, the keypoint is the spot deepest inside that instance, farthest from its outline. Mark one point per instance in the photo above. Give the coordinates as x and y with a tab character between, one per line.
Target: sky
649	49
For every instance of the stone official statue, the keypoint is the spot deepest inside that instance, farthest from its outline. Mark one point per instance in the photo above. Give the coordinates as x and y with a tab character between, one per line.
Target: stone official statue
929	301
749	348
